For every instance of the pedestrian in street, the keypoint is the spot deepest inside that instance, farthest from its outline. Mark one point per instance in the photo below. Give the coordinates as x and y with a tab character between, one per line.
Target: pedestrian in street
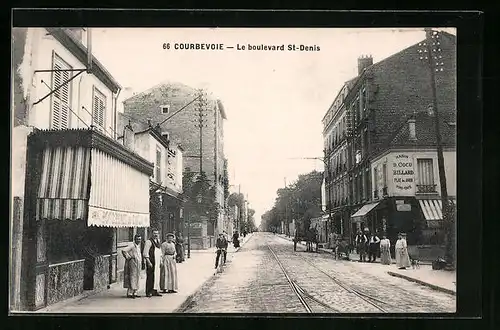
221	249
179	248
132	268
402	257
361	241
373	248
152	254
168	273
385	251
236	241
244	233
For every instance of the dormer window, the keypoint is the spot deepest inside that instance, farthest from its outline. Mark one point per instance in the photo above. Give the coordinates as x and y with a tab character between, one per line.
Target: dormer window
165	109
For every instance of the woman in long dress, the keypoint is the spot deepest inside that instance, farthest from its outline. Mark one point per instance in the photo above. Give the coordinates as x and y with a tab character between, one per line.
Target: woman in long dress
168	274
385	251
402	257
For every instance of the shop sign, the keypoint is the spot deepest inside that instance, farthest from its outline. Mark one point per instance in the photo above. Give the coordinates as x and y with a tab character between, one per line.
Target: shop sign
403	207
403	173
196	225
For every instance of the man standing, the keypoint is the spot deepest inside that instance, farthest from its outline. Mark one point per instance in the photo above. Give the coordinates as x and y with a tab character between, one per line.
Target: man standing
361	241
132	269
373	248
152	255
221	246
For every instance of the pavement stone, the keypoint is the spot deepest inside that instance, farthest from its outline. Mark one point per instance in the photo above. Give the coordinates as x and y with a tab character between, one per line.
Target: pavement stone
440	280
192	273
254	283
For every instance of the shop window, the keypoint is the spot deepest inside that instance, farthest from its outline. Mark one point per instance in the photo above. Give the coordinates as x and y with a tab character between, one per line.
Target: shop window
125	235
64	240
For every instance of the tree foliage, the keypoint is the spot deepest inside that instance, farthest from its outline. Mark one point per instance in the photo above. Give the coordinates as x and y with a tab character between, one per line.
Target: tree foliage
200	195
300	201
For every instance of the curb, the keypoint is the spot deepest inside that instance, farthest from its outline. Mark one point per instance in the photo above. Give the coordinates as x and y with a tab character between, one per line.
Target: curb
432	286
191	298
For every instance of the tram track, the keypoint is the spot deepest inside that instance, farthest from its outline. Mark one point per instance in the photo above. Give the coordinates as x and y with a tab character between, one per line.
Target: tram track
302	295
378	304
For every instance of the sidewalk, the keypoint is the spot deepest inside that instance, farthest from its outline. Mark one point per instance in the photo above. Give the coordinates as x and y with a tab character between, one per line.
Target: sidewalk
440	280
192	273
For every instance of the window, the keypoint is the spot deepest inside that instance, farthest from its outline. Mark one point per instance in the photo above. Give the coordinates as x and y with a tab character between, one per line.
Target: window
375	180
364	100
367	184
124	235
165	109
98	110
158	165
384	174
425	175
365	143
61	98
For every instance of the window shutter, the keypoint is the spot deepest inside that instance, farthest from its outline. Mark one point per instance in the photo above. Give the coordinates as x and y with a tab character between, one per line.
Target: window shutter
98	109
61	97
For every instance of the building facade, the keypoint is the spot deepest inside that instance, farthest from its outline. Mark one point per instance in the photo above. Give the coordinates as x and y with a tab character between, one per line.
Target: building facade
165	188
163	101
69	196
365	115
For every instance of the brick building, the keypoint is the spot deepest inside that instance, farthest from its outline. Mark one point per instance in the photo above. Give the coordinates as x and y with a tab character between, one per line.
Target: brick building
366	114
163	100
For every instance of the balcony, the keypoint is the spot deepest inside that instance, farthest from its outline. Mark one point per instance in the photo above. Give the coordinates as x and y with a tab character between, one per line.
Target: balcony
426	189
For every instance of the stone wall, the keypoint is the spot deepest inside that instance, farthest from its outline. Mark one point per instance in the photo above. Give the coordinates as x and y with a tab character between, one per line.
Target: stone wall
65	281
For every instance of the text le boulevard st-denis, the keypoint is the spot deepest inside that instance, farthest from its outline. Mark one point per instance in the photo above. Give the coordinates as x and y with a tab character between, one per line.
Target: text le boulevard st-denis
239	47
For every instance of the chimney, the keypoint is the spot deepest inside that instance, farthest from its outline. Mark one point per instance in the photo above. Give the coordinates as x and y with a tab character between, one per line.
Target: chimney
363	63
129	137
411	126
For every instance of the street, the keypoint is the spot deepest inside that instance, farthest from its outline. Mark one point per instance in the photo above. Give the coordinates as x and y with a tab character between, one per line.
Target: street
267	276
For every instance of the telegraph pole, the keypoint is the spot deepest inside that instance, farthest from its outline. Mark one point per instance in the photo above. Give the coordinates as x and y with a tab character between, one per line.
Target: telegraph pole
432	54
200	121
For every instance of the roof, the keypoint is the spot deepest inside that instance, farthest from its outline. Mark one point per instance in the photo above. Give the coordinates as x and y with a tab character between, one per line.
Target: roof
348	84
80	52
425	132
173	85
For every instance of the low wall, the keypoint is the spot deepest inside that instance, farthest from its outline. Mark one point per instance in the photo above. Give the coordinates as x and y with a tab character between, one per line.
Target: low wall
426	252
65	281
97	273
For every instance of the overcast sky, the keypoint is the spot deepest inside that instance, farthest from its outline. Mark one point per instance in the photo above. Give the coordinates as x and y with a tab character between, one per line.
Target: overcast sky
274	100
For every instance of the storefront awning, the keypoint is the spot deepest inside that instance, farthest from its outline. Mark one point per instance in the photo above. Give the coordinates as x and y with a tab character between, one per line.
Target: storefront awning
364	210
86	175
432	208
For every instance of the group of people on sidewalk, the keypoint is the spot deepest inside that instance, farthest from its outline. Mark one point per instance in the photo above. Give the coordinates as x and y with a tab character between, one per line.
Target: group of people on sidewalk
160	262
372	245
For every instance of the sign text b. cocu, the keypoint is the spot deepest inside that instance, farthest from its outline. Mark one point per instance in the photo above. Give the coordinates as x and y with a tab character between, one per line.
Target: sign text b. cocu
403	173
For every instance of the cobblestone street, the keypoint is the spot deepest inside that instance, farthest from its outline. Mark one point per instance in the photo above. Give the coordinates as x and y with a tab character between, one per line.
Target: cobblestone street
255	282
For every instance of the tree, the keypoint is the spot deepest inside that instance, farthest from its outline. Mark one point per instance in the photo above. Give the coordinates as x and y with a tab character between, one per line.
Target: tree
300	201
200	196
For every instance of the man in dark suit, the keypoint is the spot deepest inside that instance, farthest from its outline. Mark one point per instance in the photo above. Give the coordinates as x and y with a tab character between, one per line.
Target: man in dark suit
221	246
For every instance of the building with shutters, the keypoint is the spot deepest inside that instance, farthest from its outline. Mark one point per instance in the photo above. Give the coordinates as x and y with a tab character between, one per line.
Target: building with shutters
363	120
68	187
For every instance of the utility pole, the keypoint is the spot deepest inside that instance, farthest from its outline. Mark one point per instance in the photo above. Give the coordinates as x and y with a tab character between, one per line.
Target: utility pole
200	121
432	54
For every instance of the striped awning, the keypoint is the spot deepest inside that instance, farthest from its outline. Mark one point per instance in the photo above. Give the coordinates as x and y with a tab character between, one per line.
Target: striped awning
86	176
63	190
364	210
432	208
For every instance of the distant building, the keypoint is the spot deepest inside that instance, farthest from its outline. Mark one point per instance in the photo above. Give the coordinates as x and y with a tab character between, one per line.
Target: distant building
163	101
364	117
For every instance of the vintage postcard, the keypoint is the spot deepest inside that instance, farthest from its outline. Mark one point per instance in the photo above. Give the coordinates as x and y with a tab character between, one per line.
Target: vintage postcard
233	170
